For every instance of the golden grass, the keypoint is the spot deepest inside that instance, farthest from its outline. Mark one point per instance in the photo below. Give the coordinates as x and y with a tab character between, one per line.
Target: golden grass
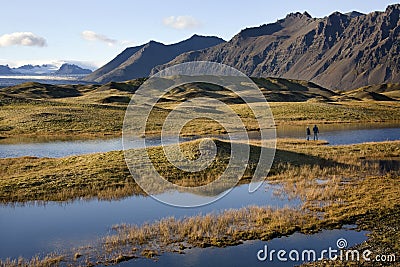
47	261
102	175
105	175
84	117
332	196
226	228
335	186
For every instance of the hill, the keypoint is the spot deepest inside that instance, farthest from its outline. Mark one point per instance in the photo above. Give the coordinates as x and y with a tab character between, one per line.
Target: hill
274	90
381	92
34	90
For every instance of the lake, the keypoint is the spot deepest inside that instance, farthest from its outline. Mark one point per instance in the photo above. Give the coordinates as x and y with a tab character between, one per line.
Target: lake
335	134
37	228
11	80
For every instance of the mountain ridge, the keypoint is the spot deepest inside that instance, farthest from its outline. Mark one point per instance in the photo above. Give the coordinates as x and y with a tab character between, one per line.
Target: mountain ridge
137	62
67	68
45	69
339	51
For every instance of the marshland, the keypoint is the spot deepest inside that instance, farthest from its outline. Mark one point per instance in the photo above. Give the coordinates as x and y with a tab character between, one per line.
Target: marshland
104	217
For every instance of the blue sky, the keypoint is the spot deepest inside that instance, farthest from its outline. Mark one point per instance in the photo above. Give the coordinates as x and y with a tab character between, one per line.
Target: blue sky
93	32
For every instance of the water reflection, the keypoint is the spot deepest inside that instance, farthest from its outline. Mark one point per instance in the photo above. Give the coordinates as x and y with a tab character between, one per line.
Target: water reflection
346	133
30	229
246	254
335	134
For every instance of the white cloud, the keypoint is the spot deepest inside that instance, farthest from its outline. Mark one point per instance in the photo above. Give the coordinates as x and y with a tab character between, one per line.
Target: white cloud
22	38
181	22
93	36
127	43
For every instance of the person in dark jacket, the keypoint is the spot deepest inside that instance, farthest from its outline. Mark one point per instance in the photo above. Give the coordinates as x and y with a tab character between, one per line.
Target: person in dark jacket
316	132
308	132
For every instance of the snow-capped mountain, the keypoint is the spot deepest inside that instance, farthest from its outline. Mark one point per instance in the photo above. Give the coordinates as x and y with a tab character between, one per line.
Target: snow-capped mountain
36	69
45	69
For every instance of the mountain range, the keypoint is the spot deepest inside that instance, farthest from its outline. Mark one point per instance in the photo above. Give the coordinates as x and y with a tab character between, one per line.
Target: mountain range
137	62
339	51
45	69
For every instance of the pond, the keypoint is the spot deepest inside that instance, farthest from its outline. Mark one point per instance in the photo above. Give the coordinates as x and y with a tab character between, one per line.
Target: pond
246	254
335	134
33	228
27	230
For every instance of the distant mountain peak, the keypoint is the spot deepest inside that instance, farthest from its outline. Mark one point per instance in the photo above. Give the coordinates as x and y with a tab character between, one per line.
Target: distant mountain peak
137	62
298	15
392	7
198	36
306	14
354	14
336	51
5	69
152	42
68	69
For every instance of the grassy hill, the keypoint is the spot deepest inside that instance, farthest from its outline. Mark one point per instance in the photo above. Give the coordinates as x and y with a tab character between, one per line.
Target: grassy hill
379	92
98	110
274	90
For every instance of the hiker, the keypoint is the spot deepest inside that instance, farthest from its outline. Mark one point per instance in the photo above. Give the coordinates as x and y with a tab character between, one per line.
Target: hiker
316	131
308	132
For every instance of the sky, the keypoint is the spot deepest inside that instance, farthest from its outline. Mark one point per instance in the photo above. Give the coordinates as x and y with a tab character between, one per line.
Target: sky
92	32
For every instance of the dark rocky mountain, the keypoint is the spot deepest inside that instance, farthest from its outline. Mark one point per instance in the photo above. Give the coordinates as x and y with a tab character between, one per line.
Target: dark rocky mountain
340	51
66	69
136	62
354	14
5	70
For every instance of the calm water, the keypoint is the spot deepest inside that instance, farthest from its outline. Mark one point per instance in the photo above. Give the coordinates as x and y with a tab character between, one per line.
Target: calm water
30	229
61	148
246	254
11	80
347	133
335	134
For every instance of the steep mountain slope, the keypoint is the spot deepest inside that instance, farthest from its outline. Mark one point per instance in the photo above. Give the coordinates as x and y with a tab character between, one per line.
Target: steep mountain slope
138	61
114	63
341	51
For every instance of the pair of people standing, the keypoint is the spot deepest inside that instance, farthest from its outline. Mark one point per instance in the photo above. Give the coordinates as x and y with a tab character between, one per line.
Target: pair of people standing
315	131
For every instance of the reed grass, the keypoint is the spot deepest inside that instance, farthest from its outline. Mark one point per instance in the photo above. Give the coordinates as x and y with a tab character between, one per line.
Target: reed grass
36	261
335	187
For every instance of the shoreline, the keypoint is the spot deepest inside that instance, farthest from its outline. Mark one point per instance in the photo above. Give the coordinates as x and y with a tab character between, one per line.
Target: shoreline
118	134
368	197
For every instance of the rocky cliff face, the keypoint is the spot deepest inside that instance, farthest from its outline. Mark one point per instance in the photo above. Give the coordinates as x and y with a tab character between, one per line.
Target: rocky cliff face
341	51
